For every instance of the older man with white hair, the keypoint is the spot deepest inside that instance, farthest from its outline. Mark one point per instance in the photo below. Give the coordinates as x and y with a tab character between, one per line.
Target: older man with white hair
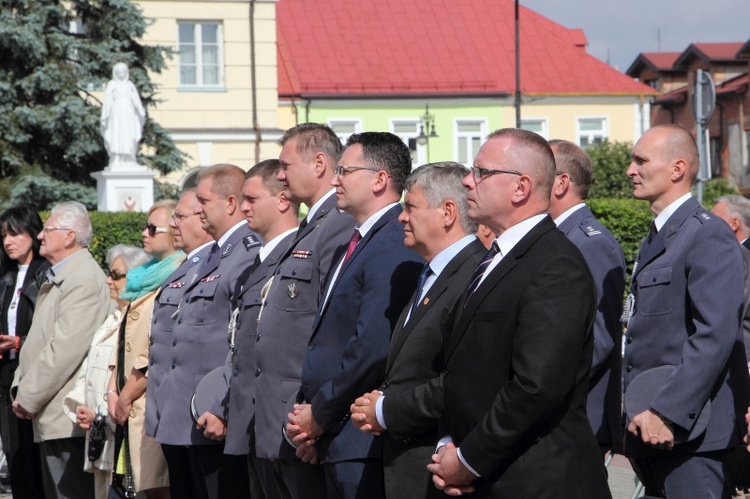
71	305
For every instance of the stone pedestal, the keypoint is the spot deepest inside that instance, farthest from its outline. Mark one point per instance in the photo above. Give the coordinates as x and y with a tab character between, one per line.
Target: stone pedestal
124	187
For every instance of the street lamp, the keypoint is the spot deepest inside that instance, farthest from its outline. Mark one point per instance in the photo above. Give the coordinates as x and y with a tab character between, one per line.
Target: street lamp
427	124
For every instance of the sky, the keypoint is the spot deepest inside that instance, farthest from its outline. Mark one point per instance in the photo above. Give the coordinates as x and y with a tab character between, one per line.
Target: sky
619	30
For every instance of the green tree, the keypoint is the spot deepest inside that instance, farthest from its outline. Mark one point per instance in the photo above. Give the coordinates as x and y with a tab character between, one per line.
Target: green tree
610	161
49	118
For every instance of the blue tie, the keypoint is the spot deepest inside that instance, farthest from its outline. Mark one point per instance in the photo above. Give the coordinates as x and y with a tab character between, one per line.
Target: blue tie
481	268
426	272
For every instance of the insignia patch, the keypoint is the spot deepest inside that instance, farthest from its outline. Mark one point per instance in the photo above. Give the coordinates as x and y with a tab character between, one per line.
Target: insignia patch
291	290
705	216
211	278
590	231
195	259
176	284
303	254
227	249
251	241
426	301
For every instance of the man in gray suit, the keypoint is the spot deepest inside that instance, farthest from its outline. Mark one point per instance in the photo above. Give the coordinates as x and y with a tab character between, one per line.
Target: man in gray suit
71	305
199	345
437	226
606	262
309	154
274	218
685	311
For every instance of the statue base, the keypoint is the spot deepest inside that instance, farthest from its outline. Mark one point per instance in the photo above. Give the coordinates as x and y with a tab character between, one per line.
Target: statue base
120	189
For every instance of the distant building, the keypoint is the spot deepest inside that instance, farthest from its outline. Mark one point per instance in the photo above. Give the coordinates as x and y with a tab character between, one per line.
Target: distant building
729	130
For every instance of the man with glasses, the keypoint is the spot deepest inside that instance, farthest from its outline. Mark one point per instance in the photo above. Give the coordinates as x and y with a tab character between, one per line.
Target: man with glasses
309	153
71	305
607	265
517	360
189	237
372	280
199	345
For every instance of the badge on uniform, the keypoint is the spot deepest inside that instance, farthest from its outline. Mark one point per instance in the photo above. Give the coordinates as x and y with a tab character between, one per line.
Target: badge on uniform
590	231
251	241
303	254
210	278
176	284
227	249
195	259
291	290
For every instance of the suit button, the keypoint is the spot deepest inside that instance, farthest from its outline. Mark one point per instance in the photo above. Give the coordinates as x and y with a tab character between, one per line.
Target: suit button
234	349
257	338
278	271
128	346
169	299
257	300
310	346
150	341
235	372
629	340
187	300
257	372
692	415
238	325
179	321
174	343
201	291
629	368
445	373
294	272
174	365
386	383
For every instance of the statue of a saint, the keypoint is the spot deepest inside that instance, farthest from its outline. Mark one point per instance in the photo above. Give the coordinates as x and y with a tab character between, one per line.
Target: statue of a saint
122	117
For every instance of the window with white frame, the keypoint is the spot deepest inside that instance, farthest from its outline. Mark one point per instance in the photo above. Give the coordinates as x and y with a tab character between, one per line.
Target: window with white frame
536	125
591	131
345	128
408	131
469	137
200	54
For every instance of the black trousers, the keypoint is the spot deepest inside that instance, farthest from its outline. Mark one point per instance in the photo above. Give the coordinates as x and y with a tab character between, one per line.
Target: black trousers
205	472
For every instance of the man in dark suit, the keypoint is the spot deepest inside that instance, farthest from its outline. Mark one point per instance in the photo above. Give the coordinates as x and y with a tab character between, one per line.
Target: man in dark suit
567	207
517	361
309	153
437	226
370	285
274	218
686	312
199	345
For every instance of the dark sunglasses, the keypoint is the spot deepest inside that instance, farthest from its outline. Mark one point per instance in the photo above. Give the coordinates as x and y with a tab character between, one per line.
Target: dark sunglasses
115	275
153	229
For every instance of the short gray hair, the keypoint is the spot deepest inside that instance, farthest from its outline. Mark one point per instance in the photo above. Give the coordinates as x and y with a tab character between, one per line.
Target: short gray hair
74	216
132	256
737	206
440	182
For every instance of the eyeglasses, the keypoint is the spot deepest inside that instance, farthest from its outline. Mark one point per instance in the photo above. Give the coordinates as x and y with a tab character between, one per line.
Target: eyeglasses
343	171
179	217
49	228
115	275
153	229
481	173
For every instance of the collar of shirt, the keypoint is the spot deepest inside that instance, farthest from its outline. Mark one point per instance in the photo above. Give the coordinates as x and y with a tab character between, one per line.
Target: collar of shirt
442	259
370	222
314	208
564	215
662	218
59	265
223	239
196	250
508	239
266	249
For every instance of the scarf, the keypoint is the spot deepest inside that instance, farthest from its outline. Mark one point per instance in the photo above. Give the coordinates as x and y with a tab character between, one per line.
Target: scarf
148	277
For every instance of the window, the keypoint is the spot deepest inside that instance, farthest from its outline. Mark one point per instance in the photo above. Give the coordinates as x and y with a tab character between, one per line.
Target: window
469	137
536	125
591	131
715	155
200	54
408	131
345	128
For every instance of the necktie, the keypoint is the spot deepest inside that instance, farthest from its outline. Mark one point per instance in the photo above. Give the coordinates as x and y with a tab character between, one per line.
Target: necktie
649	239
212	263
302	226
426	272
356	236
481	268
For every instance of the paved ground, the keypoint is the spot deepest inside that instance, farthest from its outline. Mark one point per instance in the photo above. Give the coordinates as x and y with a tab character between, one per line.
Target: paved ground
621	479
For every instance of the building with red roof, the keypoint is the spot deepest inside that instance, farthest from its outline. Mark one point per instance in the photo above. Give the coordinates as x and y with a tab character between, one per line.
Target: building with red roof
377	65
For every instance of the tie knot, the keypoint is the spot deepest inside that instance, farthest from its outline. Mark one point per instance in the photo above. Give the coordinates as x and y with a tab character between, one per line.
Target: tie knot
426	271
356	236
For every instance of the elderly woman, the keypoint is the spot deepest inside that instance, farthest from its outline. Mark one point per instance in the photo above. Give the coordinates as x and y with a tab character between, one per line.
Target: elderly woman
138	453
89	397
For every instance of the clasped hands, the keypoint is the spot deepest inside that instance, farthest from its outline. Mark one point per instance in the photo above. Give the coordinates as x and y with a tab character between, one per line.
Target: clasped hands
304	432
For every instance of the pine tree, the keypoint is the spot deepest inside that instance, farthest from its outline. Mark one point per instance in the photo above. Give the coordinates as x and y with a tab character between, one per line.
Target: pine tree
54	55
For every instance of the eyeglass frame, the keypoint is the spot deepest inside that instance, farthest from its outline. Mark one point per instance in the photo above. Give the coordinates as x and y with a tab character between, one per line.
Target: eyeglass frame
479	173
116	276
50	228
179	217
153	229
344	170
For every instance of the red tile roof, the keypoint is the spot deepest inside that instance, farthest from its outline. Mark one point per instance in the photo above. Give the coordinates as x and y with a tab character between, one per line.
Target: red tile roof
442	47
709	52
744	51
657	61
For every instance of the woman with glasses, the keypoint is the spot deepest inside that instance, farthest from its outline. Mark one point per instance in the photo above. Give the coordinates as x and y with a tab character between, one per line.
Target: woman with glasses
139	455
89	396
22	272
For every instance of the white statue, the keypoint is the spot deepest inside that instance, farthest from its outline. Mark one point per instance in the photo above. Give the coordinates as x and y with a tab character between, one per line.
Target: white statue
122	117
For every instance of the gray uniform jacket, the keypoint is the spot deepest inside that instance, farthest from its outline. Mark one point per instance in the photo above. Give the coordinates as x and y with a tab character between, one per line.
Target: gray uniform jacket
688	288
241	410
606	262
199	339
162	322
286	324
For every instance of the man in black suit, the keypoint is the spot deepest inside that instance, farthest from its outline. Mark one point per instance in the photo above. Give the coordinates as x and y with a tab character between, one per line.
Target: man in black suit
603	254
437	226
372	281
518	358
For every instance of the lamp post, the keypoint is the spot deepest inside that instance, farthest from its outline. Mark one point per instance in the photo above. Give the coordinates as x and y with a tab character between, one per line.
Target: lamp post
427	125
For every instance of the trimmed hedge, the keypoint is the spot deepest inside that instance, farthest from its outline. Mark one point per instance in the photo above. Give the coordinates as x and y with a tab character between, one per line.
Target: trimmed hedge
627	219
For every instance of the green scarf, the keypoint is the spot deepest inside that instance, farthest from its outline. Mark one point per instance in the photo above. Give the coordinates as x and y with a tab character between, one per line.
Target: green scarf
146	278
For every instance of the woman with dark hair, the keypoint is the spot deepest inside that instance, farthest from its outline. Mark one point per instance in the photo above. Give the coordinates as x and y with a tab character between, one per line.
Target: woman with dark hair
22	274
